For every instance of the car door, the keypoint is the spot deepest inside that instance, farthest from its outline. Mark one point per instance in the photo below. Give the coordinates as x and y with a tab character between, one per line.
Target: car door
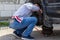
53	10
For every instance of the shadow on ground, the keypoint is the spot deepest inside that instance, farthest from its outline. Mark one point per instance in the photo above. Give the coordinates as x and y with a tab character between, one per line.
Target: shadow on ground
36	34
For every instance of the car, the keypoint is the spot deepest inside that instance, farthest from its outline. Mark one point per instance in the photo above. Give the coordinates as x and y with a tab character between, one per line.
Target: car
50	15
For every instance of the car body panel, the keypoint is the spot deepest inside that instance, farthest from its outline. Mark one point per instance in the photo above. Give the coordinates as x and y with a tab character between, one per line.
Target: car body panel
52	9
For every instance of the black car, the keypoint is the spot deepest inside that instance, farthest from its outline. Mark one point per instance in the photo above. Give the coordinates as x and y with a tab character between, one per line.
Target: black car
50	15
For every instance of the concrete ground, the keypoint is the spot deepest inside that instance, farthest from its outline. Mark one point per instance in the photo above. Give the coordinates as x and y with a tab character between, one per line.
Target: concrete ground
7	34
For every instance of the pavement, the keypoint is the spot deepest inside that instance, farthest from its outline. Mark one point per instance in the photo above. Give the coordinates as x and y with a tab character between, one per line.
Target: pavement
7	34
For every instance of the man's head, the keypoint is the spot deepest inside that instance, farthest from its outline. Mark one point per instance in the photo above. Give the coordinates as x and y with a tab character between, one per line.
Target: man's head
37	4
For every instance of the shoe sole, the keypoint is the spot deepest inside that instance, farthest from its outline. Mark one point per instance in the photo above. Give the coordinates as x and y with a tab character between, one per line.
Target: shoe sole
17	37
26	39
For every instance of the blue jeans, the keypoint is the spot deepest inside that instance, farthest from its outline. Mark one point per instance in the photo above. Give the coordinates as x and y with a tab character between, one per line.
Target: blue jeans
28	22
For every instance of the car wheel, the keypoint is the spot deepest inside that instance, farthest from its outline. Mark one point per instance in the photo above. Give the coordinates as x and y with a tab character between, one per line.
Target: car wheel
47	30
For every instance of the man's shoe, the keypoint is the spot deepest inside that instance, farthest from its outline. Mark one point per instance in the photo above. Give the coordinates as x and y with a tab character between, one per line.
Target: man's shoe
19	35
27	38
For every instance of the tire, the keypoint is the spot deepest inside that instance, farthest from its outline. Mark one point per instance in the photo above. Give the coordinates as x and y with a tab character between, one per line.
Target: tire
47	30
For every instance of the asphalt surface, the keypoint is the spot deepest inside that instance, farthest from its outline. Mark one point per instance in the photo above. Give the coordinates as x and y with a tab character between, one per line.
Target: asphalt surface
7	34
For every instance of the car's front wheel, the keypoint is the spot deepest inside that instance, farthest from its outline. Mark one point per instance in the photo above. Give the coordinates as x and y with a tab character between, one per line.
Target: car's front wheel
47	30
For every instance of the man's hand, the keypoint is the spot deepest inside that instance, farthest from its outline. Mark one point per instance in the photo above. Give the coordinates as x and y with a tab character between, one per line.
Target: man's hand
40	12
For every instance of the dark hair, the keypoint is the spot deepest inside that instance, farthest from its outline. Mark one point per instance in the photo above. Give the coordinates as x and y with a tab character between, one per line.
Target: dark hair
38	4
